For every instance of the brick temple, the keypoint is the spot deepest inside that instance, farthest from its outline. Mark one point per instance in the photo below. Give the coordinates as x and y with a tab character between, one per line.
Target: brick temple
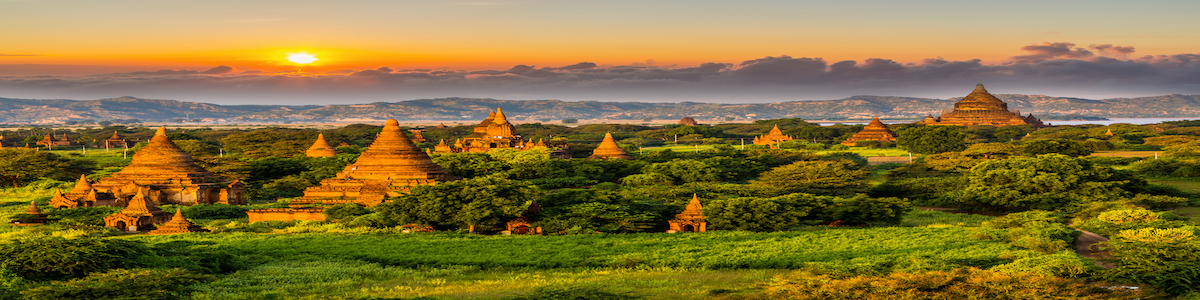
874	131
982	108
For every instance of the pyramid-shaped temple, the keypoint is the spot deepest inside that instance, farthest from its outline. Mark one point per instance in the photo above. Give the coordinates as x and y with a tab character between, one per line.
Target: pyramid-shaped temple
982	108
169	175
177	224
609	149
874	131
389	167
772	138
140	215
691	219
320	148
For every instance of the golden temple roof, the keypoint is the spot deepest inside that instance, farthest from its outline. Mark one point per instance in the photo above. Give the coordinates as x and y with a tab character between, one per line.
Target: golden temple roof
392	156
161	155
693	210
320	148
33	209
609	149
874	131
83	185
140	205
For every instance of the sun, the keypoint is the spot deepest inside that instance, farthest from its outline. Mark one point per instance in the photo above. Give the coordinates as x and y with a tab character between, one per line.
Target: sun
302	58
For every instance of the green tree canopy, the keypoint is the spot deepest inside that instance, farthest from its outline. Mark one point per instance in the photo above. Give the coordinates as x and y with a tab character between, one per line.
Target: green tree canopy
18	165
1060	146
819	177
932	139
1047	182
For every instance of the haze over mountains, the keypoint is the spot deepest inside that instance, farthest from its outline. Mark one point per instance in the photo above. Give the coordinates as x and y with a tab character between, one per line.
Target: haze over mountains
473	109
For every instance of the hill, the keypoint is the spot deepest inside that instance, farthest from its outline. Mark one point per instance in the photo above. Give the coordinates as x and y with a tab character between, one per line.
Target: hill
472	109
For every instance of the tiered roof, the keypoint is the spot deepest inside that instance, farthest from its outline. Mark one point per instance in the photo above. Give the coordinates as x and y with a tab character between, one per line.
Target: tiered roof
688	121
691	219
772	137
167	170
177	224
609	149
982	108
874	131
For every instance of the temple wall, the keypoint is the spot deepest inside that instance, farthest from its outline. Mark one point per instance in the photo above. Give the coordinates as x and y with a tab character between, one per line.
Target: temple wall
284	214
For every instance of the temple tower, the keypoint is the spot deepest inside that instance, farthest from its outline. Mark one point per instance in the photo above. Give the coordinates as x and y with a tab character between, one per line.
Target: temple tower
772	137
982	108
691	219
874	131
169	175
609	149
140	215
320	148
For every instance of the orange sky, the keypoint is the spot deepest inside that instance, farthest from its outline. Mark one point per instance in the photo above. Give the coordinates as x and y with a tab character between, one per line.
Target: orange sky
499	34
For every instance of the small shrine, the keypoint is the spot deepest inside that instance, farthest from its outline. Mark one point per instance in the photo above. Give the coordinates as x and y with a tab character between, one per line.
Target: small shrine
691	219
1109	132
178	224
33	217
84	195
688	121
441	125
140	215
320	148
982	108
874	131
609	149
441	147
167	174
416	136
51	141
522	224
495	132
773	137
116	141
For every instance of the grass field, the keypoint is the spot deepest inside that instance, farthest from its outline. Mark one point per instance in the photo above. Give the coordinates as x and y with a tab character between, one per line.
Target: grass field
1182	184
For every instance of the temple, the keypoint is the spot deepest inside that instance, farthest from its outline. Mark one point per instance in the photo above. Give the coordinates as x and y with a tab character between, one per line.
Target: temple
688	121
609	149
51	141
495	132
178	224
170	176
416	136
140	215
874	131
33	217
84	195
389	167
320	148
982	108
116	141
772	138
691	219
522	225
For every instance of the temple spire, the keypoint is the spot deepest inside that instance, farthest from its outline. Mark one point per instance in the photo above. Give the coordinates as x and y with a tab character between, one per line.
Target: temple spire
500	118
33	209
608	149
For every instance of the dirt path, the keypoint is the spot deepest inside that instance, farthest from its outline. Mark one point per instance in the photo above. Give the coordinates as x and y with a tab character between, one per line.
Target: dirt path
1087	246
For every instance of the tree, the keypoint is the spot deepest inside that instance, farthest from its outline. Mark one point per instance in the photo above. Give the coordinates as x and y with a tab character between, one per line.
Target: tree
19	165
1060	146
483	201
932	139
763	214
1047	182
686	170
821	177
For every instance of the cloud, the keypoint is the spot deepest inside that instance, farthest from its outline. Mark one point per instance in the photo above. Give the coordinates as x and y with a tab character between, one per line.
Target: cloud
1058	68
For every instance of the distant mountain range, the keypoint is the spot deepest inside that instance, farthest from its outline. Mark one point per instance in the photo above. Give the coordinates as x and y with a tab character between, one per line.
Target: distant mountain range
473	109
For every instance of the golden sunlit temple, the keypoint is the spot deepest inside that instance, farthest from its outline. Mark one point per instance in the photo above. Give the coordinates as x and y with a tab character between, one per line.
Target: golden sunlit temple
773	137
874	131
982	108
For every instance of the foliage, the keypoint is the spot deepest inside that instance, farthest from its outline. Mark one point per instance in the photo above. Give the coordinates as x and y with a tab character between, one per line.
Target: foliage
965	283
578	293
18	165
57	258
685	171
821	177
80	216
647	179
122	284
763	214
594	210
1064	263
861	210
1036	230
1164	258
345	210
1114	221
482	201
930	191
932	139
1048	182
1060	146
1159	201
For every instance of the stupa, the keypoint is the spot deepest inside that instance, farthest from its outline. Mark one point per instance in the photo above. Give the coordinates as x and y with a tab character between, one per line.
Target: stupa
874	131
170	176
84	195
178	224
388	167
773	137
609	149
320	148
688	121
982	108
33	217
116	141
416	136
140	215
691	219
495	132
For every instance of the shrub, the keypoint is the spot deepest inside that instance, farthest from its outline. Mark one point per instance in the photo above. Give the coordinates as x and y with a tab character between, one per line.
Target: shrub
967	283
215	211
81	216
762	214
1064	263
818	177
344	211
56	258
1036	230
933	191
122	284
576	293
1114	221
1163	258
861	210
647	179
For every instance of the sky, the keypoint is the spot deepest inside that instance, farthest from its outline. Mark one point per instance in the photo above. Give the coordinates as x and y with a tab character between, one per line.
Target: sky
235	52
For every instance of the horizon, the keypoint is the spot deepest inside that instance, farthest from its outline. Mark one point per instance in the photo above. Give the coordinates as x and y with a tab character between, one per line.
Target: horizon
313	52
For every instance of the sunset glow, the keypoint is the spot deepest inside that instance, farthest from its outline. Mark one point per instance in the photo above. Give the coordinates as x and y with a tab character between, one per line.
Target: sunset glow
302	58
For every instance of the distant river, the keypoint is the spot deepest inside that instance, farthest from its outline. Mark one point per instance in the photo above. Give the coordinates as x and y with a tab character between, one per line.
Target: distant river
1135	121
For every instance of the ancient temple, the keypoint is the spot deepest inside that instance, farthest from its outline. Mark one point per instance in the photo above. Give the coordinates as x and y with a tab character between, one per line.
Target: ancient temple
53	141
773	137
84	195
874	131
495	132
691	219
688	121
33	217
389	167
320	148
168	175
178	224
441	147
115	141
416	136
140	215
522	225
609	149
982	108
441	125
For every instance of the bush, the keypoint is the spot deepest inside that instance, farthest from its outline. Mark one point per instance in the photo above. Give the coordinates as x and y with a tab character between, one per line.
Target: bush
123	284
57	258
818	177
763	214
1111	222
1163	258
577	293
215	211
81	216
861	210
933	191
1064	263
1036	230
966	283
647	179
344	211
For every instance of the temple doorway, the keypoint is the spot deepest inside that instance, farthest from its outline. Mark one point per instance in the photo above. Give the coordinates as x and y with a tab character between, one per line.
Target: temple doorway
122	226
689	228
521	229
